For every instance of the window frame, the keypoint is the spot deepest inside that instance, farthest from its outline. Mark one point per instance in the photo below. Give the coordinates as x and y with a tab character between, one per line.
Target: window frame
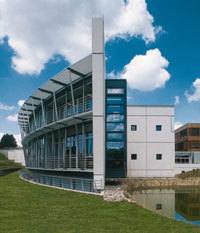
158	127
134	126
133	156
158	156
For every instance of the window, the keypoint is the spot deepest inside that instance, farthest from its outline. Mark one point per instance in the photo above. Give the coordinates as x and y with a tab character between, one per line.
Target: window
115	100
194	132
115	91
158	206
115	109
115	117
115	127
133	127
115	136
195	144
158	127
158	156
133	156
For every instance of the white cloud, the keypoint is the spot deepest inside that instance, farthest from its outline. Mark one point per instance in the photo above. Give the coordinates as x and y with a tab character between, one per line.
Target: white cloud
6	107
177	124
196	95
147	72
111	75
1	135
20	103
12	118
18	139
177	100
43	29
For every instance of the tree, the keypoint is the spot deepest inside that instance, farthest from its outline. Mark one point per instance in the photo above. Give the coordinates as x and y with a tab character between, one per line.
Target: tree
8	140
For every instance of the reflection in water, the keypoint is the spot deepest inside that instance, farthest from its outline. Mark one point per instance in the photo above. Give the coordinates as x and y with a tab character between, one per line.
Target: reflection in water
180	204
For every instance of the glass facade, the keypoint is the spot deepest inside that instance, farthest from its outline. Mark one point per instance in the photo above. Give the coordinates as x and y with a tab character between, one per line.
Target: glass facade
68	144
115	156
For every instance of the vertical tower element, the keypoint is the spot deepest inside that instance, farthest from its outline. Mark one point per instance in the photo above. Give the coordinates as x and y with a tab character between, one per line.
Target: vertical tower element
98	92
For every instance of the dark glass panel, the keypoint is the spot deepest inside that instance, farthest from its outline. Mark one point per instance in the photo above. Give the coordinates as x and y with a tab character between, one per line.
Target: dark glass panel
115	117
114	91
115	136
115	109
194	131
133	127
115	127
115	100
115	150
158	127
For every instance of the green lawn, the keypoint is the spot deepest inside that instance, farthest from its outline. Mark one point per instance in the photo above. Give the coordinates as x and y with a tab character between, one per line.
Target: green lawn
26	207
8	164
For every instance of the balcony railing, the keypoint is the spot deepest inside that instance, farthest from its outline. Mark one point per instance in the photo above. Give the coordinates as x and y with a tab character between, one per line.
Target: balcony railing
81	105
81	162
79	184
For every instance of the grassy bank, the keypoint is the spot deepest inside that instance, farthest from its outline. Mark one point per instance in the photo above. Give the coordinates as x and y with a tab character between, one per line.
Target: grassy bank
26	207
189	174
8	164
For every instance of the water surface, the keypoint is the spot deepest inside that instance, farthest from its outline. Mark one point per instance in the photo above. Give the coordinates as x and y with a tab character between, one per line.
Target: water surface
180	204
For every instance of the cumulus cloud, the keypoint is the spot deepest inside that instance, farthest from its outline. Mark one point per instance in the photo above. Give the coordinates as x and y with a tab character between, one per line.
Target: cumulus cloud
18	139
147	72
196	95
177	124
112	75
6	107
177	100
20	103
42	29
1	135
12	118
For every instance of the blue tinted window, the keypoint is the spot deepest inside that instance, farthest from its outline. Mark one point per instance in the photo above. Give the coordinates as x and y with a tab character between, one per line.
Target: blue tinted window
115	127
114	91
115	145
115	136
158	127
115	109
133	127
115	117
115	100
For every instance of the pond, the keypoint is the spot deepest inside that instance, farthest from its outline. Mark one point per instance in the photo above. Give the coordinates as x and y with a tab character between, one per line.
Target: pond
180	204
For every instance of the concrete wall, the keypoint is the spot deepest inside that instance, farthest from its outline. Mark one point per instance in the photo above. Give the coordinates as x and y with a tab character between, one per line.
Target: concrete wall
17	155
146	142
98	90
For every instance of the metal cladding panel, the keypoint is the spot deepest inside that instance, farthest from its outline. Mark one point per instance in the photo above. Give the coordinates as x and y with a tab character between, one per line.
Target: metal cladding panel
41	95
32	101
84	66
98	35
50	86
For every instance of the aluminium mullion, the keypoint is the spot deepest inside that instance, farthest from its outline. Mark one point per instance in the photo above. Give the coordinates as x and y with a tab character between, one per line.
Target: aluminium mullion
34	116
55	106
76	128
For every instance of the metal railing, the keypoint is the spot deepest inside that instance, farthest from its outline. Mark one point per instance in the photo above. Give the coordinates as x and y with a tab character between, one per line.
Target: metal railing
81	105
57	162
79	184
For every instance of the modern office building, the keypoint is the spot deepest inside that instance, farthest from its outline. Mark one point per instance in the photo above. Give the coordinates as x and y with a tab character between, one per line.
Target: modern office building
78	131
187	137
187	147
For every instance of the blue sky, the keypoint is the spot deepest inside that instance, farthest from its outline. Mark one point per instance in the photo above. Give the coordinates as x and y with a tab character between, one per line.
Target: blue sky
154	44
